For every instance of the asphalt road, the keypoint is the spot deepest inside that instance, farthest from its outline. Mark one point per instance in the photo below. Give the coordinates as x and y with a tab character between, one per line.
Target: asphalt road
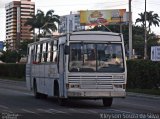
18	103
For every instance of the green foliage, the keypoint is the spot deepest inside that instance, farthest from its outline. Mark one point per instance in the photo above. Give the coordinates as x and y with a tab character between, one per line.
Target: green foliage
12	70
23	47
152	19
145	91
143	74
46	22
10	56
14	56
138	44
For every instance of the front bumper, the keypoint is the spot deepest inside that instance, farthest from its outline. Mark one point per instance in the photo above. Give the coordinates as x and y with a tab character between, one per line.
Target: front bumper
96	94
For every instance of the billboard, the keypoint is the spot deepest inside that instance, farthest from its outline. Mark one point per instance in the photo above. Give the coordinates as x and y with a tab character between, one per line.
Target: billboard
94	17
155	53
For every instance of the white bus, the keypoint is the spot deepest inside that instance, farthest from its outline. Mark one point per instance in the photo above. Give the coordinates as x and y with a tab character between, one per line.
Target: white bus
83	65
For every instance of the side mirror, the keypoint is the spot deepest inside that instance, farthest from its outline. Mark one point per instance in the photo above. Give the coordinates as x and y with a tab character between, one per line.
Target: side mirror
66	50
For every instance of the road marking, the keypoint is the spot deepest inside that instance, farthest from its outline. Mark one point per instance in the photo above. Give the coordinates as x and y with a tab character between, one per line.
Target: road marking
28	111
92	111
47	111
141	105
2	106
77	111
58	111
7	111
28	94
120	111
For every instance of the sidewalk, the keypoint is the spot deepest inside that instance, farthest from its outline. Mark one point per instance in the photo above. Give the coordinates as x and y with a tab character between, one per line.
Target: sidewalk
143	95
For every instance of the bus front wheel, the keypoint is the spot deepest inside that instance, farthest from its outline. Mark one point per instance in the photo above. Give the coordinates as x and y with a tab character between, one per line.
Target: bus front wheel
107	102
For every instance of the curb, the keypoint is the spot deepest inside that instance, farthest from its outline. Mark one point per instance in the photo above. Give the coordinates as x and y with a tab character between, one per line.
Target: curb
143	95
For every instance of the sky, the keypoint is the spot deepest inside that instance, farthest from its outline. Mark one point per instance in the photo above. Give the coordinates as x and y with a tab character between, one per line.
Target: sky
64	7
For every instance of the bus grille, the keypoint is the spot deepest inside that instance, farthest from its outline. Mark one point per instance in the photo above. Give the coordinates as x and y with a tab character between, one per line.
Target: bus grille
94	82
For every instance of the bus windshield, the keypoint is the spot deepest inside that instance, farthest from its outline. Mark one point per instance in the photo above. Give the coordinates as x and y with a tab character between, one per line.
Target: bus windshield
96	57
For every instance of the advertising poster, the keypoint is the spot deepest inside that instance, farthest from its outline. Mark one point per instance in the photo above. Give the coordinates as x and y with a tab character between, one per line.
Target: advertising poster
94	17
155	53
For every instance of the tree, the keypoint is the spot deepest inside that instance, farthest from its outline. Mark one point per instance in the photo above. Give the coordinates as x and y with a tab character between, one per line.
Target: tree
141	19
23	47
10	56
152	19
50	21
46	22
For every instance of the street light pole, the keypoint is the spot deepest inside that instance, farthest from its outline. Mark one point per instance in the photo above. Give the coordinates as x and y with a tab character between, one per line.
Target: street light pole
130	30
145	34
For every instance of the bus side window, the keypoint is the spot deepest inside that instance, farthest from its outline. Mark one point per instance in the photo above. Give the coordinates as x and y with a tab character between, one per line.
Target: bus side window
35	53
40	54
29	54
54	52
44	52
49	52
51	56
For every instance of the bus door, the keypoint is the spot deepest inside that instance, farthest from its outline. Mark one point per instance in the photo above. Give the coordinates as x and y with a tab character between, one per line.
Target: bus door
62	89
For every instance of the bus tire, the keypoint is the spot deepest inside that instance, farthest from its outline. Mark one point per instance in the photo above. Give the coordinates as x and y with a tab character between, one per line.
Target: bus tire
36	94
107	102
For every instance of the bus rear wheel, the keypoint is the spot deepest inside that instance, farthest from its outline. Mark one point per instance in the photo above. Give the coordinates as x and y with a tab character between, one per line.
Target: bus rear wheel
107	102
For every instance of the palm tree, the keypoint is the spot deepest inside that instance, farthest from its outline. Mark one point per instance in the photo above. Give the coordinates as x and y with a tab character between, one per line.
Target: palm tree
50	21
141	19
39	20
47	22
153	19
34	22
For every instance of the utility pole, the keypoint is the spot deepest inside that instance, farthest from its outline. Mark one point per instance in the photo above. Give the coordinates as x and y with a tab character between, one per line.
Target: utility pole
130	31
145	34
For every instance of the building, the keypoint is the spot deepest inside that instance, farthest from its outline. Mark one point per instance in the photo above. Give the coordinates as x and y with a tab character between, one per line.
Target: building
17	13
70	23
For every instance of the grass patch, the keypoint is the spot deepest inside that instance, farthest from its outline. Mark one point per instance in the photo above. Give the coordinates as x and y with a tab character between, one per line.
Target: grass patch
145	91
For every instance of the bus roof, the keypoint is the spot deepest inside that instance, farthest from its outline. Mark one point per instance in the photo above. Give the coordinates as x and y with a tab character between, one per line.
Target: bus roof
95	32
96	36
86	35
